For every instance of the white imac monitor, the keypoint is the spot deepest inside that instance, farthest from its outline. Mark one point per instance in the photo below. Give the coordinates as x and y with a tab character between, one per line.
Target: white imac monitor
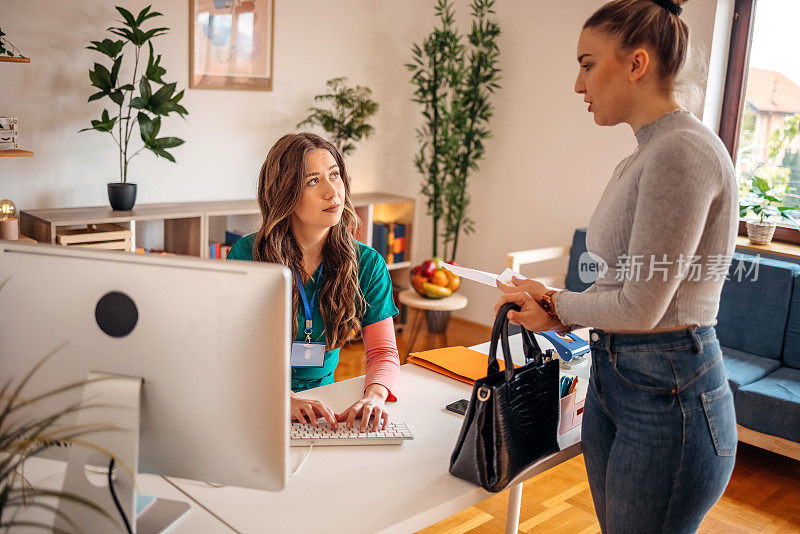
209	339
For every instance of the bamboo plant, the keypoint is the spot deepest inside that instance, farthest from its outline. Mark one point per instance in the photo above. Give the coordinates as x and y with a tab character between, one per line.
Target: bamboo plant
346	120
454	83
151	102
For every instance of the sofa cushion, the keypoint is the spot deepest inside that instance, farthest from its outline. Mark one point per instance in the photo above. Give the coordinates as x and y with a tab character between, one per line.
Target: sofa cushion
772	405
573	281
754	305
743	368
791	341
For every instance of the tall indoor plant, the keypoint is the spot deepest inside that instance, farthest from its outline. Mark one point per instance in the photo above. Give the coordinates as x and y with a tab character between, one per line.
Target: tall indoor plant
454	83
151	102
346	119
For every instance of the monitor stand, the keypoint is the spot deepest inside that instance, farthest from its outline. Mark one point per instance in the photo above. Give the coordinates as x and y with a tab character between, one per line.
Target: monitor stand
107	425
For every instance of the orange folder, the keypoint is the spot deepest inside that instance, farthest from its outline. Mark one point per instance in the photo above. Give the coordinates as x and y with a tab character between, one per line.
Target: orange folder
458	363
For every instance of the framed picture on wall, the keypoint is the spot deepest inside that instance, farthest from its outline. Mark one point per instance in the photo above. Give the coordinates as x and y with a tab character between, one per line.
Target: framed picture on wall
231	44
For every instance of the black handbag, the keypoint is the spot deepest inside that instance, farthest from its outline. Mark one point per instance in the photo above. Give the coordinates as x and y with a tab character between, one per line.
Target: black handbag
512	417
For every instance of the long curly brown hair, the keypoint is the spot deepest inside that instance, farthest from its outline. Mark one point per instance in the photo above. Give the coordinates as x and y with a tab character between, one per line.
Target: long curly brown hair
280	184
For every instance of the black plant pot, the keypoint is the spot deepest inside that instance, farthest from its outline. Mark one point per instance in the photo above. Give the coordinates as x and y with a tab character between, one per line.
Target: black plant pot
122	196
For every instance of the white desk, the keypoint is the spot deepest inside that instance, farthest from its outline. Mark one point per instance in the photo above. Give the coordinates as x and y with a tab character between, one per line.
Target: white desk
48	474
392	488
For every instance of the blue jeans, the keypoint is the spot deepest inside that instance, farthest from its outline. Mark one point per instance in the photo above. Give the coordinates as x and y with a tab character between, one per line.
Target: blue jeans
659	429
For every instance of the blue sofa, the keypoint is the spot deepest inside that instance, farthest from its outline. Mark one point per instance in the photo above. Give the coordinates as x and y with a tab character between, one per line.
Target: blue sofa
758	326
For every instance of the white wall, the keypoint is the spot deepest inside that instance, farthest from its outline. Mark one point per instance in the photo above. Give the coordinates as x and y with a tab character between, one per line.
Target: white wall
544	168
548	163
227	133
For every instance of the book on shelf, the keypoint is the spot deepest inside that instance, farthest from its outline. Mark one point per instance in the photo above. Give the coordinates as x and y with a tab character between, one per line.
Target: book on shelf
399	247
389	254
232	236
390	240
218	251
380	232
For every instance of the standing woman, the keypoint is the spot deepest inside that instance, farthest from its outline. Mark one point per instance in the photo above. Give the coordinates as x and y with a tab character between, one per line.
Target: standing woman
659	429
341	286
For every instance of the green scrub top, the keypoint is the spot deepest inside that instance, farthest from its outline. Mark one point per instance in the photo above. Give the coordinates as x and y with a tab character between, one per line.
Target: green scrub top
376	286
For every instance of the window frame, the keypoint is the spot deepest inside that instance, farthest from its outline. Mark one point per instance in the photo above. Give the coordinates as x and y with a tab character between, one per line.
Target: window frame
733	96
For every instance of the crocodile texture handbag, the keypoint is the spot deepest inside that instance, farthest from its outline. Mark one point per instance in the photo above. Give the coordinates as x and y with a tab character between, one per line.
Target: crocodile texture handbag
513	415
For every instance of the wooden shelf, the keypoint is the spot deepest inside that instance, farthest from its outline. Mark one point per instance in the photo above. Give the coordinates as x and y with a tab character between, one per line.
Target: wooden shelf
8	59
15	153
786	250
188	226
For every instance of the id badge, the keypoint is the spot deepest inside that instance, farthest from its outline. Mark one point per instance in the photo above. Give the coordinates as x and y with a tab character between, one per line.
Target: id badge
308	354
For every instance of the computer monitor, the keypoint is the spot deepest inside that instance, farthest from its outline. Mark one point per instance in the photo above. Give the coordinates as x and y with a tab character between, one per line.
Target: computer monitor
210	339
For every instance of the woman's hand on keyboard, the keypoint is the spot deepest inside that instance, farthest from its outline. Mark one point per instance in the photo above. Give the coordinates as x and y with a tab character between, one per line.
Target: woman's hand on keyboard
372	404
308	408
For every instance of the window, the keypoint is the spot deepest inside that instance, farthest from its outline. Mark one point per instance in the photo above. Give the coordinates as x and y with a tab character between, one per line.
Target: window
761	112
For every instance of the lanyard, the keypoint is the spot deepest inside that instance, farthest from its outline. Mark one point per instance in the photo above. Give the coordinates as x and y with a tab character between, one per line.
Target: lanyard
308	308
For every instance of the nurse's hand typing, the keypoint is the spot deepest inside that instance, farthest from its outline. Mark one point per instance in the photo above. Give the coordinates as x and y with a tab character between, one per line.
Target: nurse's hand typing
372	404
312	409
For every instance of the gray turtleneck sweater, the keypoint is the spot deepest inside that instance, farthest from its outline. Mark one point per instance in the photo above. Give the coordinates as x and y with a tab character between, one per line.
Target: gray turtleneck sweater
669	213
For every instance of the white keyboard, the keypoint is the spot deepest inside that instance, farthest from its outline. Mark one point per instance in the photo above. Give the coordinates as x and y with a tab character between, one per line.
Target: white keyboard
302	434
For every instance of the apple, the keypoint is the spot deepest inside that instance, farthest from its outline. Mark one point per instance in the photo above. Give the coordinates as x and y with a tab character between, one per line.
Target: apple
428	268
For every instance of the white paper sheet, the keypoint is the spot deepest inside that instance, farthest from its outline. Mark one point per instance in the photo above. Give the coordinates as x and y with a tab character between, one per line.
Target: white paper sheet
482	277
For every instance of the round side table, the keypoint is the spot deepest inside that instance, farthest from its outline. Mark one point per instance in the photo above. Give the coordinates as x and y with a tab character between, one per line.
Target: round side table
436	311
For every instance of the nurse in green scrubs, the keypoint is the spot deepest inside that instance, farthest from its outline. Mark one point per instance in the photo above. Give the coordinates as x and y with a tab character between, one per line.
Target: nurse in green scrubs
308	222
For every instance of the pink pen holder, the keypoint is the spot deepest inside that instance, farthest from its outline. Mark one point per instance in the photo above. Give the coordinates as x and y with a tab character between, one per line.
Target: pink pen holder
571	413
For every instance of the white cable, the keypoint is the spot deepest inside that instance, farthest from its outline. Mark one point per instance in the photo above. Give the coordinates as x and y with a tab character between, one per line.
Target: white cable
303	461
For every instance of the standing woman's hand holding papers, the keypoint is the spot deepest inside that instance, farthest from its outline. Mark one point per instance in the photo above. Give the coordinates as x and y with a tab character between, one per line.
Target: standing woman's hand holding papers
526	294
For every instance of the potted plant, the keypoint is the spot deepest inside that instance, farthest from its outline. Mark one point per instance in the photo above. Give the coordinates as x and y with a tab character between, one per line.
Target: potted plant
764	202
455	79
152	102
770	181
347	119
7	48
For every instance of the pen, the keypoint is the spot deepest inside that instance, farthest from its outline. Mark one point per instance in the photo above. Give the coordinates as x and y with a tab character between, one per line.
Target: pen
573	385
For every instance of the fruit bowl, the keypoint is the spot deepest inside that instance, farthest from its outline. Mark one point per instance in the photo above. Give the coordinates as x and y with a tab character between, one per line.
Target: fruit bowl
432	280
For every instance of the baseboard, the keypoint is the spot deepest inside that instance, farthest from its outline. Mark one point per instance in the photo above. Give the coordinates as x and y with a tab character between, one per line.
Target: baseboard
774	444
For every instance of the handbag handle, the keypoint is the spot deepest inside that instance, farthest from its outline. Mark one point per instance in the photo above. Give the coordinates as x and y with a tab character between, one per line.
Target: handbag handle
500	333
531	348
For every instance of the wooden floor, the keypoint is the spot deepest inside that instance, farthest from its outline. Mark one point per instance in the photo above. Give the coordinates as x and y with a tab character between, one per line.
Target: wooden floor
763	495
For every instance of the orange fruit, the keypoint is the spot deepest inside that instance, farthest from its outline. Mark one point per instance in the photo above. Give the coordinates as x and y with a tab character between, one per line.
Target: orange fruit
454	283
418	280
439	278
